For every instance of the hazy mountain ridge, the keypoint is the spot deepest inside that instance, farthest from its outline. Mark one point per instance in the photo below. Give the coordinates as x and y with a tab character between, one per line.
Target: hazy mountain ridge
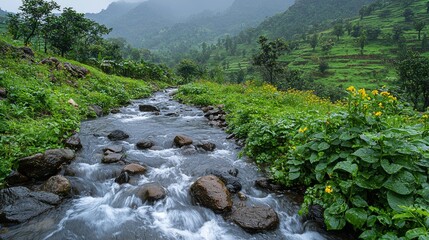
166	23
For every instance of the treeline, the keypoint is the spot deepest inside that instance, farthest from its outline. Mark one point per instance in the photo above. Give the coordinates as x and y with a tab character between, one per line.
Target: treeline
73	35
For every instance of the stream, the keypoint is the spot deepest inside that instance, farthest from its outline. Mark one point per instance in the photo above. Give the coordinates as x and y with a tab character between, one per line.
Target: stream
102	209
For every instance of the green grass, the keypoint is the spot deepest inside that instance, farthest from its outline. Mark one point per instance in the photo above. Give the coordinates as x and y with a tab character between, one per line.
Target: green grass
36	114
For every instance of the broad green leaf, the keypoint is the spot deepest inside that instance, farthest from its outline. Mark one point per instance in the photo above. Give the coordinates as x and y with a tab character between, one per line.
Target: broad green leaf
348	167
395	200
345	136
385	220
402	183
376	182
405	215
370	222
356	216
294	175
416	232
390	168
334	222
323	146
358	201
366	154
345	185
369	235
389	236
337	207
321	167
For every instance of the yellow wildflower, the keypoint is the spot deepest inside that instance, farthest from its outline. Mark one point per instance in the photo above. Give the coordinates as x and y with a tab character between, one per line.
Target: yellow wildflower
351	89
328	189
362	92
381	105
374	92
385	94
302	130
425	116
392	98
378	114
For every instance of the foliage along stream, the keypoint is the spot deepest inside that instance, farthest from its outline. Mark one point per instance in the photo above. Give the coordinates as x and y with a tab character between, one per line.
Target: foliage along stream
103	209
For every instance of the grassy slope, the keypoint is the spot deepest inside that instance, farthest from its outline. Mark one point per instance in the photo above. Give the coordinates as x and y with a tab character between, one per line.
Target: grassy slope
347	65
36	114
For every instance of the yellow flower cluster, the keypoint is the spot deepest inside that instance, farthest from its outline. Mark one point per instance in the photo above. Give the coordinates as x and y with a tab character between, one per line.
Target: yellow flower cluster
351	89
425	116
302	130
329	189
378	114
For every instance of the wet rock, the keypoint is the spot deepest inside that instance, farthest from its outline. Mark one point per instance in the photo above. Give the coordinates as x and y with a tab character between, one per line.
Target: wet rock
134	168
172	114
268	184
242	196
52	61
96	109
182	140
124	177
188	150
19	204
3	93
27	52
113	149
315	213
255	219
74	142
58	185
231	182
148	108
206	109
151	192
117	135
210	192
115	111
75	71
112	158
208	146
15	178
144	144
43	166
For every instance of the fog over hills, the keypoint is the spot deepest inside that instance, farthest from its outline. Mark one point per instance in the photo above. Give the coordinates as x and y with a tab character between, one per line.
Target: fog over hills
161	23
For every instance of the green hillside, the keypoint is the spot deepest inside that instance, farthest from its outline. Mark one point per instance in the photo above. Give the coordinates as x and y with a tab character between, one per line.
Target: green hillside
35	109
346	64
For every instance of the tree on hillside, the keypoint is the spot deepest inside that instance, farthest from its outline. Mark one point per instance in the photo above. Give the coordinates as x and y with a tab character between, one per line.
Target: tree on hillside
413	71
362	41
314	40
425	43
397	33
34	14
14	25
349	28
419	25
267	58
188	69
408	15
338	30
427	7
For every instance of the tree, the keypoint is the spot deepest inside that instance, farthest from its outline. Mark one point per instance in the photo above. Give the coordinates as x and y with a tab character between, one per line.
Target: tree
327	45
338	31
188	69
419	26
372	33
413	71
427	7
323	65
14	25
349	28
397	33
34	14
408	15
314	40
425	43
362	41
267	58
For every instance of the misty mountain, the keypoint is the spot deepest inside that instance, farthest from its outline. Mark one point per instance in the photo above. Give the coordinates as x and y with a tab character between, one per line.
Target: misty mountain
3	13
309	15
157	24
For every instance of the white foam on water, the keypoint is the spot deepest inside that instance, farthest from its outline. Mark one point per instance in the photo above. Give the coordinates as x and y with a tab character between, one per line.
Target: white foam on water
291	227
135	118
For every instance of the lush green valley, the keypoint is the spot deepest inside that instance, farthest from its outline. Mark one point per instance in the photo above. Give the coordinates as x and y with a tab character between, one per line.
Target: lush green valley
330	98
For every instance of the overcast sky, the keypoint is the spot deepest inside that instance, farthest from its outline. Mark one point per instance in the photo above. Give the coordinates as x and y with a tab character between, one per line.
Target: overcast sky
84	6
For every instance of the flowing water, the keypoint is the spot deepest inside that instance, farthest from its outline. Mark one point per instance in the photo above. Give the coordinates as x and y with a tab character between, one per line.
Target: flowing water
102	209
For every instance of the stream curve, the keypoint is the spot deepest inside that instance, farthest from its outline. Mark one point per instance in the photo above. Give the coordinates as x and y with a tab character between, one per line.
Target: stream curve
103	209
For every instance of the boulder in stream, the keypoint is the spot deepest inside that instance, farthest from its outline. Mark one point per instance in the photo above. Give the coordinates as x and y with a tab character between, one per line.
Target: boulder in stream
117	135
42	166
255	219
148	108
151	192
74	142
19	204
15	178
144	144
96	109
231	181
208	146
210	192
182	140
124	177
112	158
134	168
113	149
58	185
